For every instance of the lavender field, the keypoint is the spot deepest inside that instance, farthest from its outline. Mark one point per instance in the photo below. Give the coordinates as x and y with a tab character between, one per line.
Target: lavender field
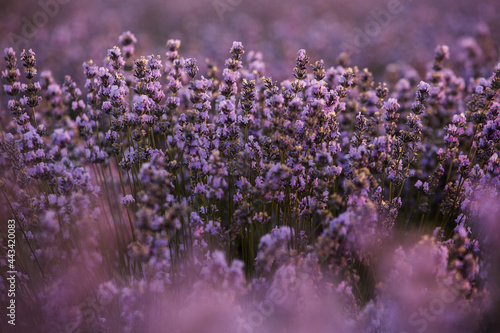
230	166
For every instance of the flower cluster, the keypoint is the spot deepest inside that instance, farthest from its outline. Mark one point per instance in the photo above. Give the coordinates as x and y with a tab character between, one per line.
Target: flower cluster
248	188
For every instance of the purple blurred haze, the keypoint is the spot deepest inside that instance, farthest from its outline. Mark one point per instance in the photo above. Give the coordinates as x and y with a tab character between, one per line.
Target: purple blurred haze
81	30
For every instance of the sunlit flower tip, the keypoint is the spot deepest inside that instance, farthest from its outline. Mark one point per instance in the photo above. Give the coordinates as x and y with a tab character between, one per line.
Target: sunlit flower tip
127	200
127	38
237	48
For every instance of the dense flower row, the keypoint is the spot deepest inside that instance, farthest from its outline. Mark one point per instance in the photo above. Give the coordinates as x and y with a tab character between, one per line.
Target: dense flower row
154	185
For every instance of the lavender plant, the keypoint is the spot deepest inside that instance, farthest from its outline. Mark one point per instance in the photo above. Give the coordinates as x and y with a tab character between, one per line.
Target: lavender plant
155	190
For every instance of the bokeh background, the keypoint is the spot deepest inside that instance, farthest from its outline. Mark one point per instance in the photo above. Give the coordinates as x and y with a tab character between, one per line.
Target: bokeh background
80	30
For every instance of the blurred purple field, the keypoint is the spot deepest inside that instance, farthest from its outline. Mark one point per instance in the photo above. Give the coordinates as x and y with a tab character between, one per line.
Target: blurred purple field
80	31
250	166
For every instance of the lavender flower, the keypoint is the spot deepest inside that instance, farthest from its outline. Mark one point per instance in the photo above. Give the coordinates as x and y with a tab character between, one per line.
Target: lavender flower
233	187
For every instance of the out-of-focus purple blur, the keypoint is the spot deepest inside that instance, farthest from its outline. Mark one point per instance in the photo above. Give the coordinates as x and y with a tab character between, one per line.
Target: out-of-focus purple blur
66	33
